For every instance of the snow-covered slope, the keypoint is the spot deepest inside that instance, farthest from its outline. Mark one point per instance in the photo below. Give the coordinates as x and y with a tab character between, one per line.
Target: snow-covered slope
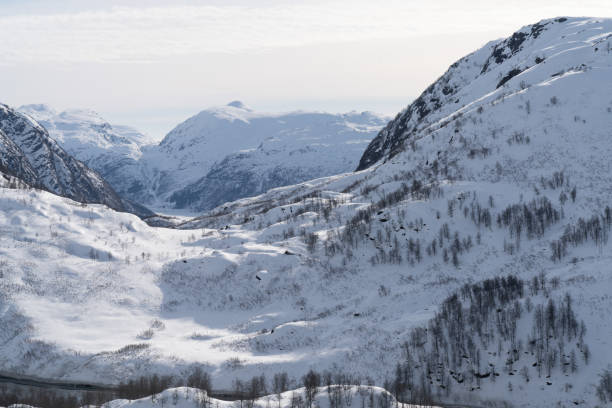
291	148
30	154
537	55
111	150
352	397
332	396
230	152
398	263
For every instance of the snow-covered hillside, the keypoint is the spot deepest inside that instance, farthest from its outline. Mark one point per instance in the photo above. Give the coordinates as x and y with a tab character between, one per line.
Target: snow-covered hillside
510	175
333	396
394	272
185	397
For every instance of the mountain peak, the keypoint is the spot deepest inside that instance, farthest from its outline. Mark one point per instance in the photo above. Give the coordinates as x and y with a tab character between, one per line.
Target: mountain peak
239	105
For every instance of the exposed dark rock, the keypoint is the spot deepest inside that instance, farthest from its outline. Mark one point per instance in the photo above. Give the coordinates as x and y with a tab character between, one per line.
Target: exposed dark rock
514	72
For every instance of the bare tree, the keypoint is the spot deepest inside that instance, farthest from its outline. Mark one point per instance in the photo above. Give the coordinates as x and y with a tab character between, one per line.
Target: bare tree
311	381
280	384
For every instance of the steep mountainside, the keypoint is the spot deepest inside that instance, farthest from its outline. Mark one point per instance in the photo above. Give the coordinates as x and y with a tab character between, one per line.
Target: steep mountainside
468	263
518	61
30	154
113	151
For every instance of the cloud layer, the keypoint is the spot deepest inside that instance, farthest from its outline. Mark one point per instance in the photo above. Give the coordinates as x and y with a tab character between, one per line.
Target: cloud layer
144	33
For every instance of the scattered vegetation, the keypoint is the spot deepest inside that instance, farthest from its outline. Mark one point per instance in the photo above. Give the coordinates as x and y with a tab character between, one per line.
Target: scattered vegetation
476	329
595	229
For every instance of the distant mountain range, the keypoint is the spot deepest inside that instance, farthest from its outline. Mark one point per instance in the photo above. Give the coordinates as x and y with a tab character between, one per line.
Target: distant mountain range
218	155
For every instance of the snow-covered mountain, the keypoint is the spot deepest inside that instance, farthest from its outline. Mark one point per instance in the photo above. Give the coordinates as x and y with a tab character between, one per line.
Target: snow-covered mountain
220	154
231	152
491	73
275	150
31	155
85	134
468	260
113	151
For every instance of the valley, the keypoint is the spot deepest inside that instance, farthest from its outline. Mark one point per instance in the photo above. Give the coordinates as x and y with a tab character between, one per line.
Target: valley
463	258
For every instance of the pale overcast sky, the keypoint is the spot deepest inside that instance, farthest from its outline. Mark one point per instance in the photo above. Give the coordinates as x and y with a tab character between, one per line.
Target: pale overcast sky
152	63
